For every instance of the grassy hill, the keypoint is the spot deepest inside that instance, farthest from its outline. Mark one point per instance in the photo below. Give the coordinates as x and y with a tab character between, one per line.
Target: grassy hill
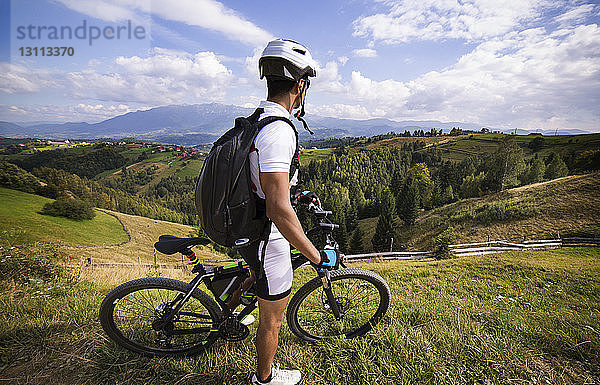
19	214
457	148
568	205
104	236
460	147
144	233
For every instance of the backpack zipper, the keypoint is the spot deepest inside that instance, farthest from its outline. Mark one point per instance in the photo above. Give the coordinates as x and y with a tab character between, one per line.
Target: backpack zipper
228	221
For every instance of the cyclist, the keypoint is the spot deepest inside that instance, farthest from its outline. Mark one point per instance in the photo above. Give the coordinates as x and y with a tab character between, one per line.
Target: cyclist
287	66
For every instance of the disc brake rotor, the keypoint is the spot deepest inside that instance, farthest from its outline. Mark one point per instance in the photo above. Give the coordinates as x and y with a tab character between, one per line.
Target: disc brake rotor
343	305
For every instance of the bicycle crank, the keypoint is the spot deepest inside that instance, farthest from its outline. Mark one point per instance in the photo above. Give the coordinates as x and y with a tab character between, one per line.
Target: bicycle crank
233	330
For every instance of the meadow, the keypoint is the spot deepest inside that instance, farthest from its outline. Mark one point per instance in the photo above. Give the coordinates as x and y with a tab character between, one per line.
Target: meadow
521	317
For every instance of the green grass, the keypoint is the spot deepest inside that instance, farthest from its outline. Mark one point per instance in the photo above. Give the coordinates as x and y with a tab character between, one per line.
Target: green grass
316	154
191	169
19	213
478	144
525	318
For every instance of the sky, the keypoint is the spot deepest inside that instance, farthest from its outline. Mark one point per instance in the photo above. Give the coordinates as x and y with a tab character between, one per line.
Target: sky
532	64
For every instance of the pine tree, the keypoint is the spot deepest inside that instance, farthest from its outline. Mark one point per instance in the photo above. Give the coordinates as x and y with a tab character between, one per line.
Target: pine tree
341	237
408	207
356	243
352	217
557	168
537	171
384	231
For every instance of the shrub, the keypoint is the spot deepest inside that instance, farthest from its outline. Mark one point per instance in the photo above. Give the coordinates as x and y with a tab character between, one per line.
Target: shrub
472	185
443	242
502	211
557	168
69	208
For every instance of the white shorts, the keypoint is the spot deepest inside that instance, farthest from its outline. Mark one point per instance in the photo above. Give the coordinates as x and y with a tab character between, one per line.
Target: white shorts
273	276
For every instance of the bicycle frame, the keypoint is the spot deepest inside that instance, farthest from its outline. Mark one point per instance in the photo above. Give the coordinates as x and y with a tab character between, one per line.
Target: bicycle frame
325	227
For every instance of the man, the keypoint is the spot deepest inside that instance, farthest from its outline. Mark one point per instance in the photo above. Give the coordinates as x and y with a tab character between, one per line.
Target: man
286	65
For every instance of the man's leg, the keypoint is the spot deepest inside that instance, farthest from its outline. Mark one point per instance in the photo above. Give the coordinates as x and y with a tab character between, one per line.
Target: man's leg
270	317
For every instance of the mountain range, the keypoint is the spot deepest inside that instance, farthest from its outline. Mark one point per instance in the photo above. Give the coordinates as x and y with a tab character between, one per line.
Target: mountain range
204	123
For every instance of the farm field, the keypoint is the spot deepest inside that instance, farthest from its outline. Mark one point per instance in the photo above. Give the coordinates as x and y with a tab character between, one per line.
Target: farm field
479	144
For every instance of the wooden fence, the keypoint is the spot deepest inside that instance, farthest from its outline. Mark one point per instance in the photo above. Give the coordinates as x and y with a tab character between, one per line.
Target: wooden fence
492	247
462	249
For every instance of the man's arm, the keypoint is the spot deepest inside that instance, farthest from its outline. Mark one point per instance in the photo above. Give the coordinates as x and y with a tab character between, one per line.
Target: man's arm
276	187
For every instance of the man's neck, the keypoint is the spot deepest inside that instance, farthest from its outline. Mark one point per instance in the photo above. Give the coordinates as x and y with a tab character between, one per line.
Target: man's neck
285	102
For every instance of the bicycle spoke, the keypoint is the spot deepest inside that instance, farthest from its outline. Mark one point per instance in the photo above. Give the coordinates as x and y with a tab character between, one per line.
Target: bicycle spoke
357	301
135	313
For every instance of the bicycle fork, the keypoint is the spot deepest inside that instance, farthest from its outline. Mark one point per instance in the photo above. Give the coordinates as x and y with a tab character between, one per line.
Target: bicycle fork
333	304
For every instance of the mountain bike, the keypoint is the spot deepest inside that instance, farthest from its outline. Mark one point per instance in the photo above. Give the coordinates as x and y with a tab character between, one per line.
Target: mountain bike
165	317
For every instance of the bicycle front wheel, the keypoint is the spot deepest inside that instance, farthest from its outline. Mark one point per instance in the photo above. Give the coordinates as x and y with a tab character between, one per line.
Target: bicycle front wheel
136	316
362	297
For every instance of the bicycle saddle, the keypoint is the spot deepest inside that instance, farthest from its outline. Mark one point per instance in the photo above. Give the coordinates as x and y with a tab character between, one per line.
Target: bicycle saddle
170	244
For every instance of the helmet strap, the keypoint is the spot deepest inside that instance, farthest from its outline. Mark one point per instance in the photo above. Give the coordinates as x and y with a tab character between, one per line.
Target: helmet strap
300	115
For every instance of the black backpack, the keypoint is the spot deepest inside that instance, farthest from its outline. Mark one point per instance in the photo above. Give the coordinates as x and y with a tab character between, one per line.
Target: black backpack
231	214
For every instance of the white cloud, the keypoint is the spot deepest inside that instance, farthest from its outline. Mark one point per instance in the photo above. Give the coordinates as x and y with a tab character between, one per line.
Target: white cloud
16	79
252	66
442	19
90	113
177	64
531	78
328	79
365	52
343	60
163	77
111	11
214	16
337	110
577	14
208	14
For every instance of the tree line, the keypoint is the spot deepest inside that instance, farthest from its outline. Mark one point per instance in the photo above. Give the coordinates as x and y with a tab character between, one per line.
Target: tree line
397	183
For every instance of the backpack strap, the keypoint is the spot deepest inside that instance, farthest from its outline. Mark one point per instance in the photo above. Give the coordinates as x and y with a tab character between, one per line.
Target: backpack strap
295	165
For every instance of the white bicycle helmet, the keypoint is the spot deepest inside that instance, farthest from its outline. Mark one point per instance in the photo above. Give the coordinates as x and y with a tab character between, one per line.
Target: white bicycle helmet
286	59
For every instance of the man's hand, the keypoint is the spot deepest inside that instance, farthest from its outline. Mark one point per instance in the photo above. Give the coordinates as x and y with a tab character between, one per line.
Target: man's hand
308	197
330	259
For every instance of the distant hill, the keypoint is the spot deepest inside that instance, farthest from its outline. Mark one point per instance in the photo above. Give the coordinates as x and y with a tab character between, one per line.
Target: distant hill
203	123
569	206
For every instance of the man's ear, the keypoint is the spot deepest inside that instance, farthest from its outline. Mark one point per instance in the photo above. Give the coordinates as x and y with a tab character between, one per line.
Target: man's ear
296	89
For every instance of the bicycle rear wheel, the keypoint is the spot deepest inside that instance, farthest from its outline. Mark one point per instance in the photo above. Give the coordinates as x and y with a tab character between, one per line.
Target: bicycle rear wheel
362	296
134	316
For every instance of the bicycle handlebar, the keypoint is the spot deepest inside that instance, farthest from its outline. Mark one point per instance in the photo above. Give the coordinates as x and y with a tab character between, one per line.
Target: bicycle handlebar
331	226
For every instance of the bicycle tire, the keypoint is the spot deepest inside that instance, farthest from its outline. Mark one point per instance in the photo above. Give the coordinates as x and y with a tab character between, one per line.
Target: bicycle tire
305	324
163	289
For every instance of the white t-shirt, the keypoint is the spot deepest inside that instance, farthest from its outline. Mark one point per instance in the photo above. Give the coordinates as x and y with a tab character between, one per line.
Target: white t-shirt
274	148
